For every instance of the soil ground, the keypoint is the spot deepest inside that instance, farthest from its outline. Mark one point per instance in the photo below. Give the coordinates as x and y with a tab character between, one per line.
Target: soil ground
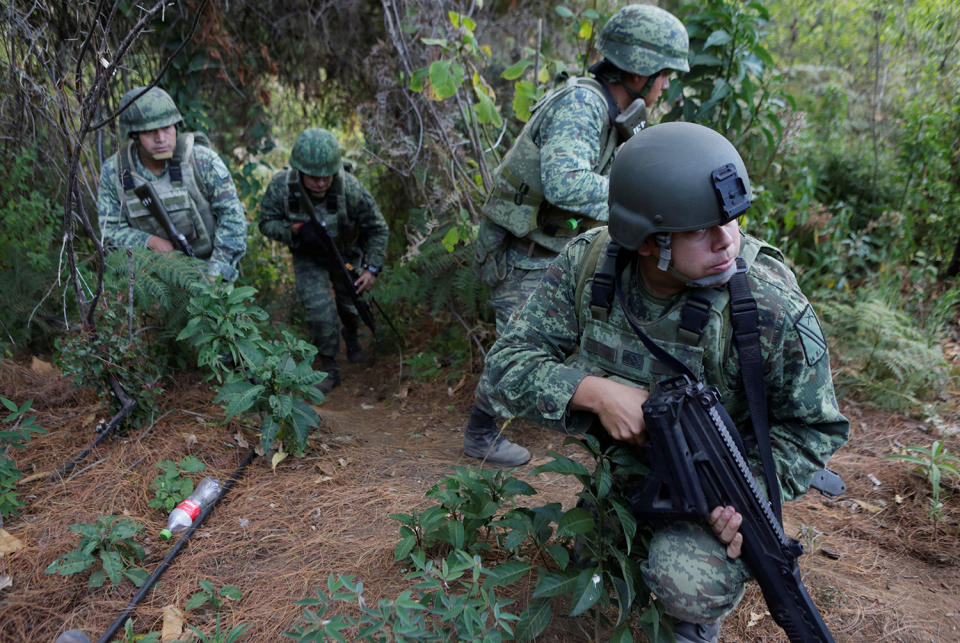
876	567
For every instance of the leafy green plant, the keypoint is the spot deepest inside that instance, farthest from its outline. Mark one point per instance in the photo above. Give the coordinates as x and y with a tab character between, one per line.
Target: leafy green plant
279	384
449	601
273	377
110	542
170	487
116	348
16	436
209	595
470	500
472	520
934	463
224	326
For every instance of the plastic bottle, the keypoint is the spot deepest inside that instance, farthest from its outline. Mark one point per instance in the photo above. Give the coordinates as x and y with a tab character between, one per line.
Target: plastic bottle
187	511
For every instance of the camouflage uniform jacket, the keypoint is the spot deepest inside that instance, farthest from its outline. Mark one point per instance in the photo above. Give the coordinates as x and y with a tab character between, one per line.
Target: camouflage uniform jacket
214	181
536	366
352	217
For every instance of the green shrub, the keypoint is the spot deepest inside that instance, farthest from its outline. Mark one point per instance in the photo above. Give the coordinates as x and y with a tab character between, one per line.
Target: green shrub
16	436
110	542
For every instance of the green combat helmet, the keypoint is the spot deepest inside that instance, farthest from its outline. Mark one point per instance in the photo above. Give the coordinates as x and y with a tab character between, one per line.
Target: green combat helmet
644	40
153	110
316	152
675	177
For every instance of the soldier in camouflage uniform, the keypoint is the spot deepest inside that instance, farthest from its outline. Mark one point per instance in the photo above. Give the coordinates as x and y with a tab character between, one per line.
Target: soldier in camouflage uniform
552	184
192	182
567	361
354	222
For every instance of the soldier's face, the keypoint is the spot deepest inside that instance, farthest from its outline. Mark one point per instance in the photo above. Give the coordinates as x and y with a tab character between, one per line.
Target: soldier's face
318	184
707	252
660	85
696	254
158	144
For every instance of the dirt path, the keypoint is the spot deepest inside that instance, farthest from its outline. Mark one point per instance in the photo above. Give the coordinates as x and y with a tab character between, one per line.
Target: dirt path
876	569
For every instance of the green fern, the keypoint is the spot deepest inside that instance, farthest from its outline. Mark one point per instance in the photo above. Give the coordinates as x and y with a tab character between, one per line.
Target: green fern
882	355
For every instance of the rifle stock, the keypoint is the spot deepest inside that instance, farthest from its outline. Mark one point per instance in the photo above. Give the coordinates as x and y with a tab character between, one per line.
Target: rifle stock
697	465
340	269
149	199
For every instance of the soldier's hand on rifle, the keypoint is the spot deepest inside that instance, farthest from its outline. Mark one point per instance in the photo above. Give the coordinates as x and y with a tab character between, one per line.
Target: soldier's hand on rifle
159	244
365	282
619	407
725	522
309	239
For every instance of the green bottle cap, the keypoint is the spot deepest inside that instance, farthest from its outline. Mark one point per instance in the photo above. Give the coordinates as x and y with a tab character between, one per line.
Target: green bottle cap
165	534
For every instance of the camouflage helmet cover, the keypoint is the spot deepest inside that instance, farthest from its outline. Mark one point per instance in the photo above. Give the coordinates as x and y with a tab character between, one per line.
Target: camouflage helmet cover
316	152
153	110
643	39
675	177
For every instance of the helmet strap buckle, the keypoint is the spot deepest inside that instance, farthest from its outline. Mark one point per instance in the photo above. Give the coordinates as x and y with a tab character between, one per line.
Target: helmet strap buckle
666	254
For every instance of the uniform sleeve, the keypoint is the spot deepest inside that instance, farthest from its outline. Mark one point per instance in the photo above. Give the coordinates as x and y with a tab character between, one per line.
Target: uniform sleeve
373	228
806	425
230	237
113	222
528	373
571	139
274	222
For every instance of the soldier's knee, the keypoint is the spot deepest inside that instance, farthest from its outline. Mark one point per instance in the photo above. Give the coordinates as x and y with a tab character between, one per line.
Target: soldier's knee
689	571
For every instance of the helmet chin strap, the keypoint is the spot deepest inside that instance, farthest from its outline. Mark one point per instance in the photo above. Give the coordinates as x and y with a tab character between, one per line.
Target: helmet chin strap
666	256
642	94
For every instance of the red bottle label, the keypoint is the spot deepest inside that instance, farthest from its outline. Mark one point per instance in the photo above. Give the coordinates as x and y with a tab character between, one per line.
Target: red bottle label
190	507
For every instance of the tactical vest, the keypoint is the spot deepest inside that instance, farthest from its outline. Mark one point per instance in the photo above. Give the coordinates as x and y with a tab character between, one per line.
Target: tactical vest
178	191
695	328
332	208
516	202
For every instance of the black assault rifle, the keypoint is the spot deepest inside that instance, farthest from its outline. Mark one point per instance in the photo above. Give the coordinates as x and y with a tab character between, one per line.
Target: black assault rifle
149	199
339	267
697	464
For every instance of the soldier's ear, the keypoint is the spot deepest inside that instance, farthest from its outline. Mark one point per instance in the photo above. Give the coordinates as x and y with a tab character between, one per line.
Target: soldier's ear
649	248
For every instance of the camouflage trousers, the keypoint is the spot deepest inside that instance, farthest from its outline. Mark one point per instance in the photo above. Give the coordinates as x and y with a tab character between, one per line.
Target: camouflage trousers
688	569
508	297
324	305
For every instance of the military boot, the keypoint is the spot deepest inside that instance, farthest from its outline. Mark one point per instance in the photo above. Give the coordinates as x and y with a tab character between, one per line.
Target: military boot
354	350
687	632
329	366
484	440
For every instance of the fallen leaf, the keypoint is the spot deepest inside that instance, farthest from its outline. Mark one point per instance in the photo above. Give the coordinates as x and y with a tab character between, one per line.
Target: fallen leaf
172	624
277	458
866	506
89	421
898	499
9	544
451	390
240	440
41	367
322	479
5	582
756	618
342	462
191	438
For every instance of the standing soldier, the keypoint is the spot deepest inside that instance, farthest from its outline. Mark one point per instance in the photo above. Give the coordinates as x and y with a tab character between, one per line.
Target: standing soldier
552	184
352	220
192	184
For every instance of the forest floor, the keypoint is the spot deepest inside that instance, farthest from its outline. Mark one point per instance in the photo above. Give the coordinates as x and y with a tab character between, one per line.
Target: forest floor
877	566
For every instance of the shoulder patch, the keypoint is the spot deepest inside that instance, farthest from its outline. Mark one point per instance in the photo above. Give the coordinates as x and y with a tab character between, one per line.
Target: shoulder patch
811	336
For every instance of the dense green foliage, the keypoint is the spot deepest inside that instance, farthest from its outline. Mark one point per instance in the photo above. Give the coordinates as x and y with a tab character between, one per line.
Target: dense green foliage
110	545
